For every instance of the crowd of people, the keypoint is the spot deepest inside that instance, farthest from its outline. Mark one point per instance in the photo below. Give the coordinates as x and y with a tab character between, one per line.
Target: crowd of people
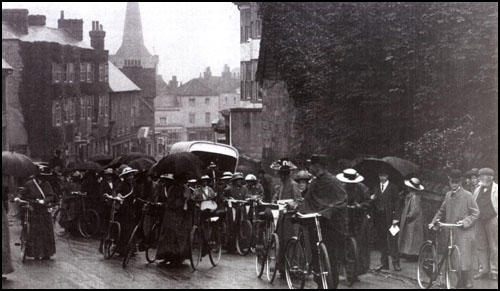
348	207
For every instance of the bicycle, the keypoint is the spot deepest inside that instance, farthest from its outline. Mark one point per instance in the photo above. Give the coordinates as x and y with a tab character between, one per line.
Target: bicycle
265	240
134	236
112	236
205	235
429	267
26	225
243	227
88	221
297	266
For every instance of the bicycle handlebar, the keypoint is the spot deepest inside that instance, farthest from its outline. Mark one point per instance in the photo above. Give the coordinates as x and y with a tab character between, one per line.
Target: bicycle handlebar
440	224
148	202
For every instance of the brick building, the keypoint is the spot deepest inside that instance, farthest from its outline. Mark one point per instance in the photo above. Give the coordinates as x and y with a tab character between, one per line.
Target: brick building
60	91
6	70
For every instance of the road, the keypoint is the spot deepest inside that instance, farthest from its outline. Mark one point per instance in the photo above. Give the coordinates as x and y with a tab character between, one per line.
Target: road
78	264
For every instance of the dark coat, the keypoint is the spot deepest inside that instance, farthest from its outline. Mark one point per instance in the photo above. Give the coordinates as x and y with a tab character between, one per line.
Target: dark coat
126	215
388	203
411	237
6	260
41	242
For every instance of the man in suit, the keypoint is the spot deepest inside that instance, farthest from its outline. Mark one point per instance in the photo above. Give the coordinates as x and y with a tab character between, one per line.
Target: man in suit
386	212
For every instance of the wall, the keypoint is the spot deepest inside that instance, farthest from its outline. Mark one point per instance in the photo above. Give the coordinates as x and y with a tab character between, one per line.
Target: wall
278	117
199	109
246	131
16	133
146	80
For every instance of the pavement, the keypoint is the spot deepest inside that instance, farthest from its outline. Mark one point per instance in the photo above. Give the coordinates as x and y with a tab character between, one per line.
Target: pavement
78	264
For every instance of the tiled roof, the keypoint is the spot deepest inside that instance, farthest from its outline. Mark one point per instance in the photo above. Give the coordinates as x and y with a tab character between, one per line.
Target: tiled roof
43	33
118	82
195	87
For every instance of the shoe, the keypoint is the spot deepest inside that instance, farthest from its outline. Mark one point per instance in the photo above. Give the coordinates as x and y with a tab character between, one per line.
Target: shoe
482	275
396	267
382	267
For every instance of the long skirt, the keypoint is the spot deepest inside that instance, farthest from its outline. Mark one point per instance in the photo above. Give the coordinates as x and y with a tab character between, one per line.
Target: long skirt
6	261
41	242
174	235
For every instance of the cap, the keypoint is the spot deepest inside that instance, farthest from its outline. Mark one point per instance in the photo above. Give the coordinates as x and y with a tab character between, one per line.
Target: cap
487	172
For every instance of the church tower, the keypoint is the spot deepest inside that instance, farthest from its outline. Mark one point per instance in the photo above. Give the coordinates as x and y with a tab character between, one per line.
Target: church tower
133	52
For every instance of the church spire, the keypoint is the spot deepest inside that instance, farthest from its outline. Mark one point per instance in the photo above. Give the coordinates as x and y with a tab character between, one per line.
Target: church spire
132	31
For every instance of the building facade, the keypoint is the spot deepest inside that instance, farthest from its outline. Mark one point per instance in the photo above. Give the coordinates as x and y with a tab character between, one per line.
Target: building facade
63	85
6	70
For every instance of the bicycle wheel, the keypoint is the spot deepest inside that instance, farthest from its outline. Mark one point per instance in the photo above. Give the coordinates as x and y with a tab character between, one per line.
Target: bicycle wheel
295	264
273	250
453	268
215	243
88	223
131	247
244	238
152	243
427	265
195	246
325	268
260	250
351	256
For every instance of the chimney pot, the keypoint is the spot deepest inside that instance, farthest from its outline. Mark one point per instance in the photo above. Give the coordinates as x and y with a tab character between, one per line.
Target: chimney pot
100	27
62	14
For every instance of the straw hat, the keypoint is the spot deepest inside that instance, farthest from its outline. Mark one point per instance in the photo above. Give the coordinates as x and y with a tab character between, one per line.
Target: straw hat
350	176
237	176
127	170
167	176
226	176
250	177
414	183
205	177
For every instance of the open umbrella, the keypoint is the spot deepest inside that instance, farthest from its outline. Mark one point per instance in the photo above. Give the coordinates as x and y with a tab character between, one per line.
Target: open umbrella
183	165
87	166
18	165
395	167
141	164
126	158
102	160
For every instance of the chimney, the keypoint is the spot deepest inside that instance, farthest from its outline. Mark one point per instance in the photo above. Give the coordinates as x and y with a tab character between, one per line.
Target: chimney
36	20
97	35
207	74
72	26
173	83
17	19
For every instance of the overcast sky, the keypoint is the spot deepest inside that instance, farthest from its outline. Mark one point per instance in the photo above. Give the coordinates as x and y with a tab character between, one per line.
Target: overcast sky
187	36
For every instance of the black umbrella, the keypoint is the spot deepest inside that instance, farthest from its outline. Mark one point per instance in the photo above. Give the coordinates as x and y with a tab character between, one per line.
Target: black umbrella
183	165
87	166
102	160
18	165
126	158
141	164
395	167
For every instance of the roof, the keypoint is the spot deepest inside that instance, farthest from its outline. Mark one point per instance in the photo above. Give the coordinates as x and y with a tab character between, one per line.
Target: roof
43	33
5	65
118	82
195	87
220	84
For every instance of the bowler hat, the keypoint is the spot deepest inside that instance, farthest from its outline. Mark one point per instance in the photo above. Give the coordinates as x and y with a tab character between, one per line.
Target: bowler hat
487	172
455	175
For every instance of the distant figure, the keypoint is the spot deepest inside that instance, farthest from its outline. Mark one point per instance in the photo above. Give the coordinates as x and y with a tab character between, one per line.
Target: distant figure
254	187
56	160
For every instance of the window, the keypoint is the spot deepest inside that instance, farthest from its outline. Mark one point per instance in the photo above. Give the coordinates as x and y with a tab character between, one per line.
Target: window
101	72
243	92
56	113
56	73
207	118
83	72
207	101
163	121
257	28
106	72
192	136
191	117
90	73
192	101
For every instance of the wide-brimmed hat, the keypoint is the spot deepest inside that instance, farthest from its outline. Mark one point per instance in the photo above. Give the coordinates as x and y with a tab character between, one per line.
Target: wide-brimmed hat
237	176
192	181
350	176
414	183
167	176
283	165
226	176
302	175
108	171
205	177
487	172
128	170
250	177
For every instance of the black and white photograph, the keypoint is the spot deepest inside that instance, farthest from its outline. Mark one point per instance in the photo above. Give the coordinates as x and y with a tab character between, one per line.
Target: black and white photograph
249	145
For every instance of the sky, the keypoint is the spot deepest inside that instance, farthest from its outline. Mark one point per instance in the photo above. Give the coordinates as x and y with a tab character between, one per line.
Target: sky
187	36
